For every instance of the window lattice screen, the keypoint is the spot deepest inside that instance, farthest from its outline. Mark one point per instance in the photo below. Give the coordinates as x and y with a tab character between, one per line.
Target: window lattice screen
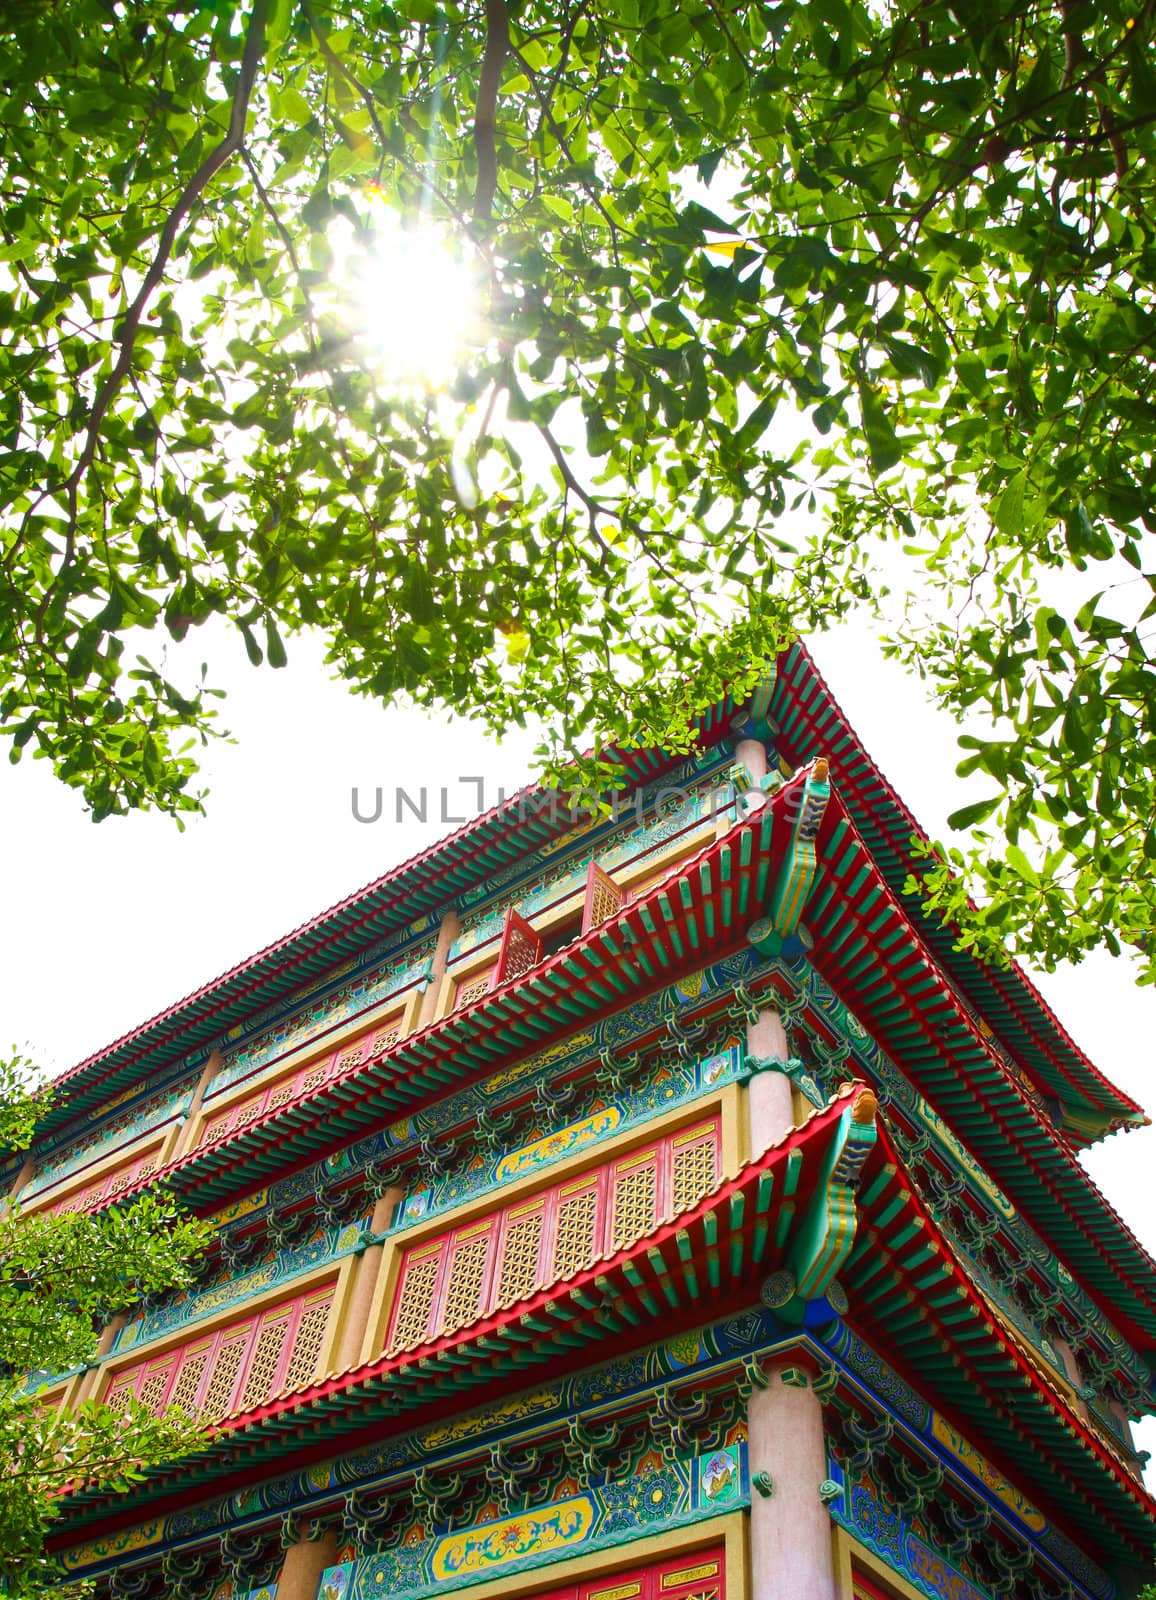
521	948
468	1272
695	1168
288	1087
447	1283
474	990
105	1188
302	1368
604	897
240	1366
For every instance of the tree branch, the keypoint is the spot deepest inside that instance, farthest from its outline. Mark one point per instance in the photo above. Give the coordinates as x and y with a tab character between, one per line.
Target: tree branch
209	167
494	59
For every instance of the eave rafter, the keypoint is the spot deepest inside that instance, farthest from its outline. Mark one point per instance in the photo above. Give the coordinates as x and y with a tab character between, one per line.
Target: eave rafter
908	1296
865	945
698	915
427	883
871	953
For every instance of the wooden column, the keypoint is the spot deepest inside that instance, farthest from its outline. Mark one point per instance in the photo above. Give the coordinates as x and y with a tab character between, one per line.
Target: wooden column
753	755
24	1176
90	1380
791	1543
447	933
770	1110
208	1073
366	1270
304	1563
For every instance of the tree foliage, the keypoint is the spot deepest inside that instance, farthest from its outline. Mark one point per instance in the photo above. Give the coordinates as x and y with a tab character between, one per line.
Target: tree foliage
887	265
61	1279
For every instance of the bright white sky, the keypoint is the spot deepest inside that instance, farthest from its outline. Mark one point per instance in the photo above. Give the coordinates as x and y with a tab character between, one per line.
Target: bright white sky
106	925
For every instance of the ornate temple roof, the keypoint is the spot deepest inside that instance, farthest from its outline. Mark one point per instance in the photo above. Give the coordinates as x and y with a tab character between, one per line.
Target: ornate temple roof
866	944
428	882
807	722
789	1220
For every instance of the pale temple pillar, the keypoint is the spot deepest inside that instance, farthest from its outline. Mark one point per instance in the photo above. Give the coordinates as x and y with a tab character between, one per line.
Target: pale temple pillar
752	753
770	1111
791	1546
304	1563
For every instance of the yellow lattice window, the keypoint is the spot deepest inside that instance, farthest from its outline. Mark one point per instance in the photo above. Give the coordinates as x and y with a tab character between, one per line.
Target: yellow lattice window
350	1058
185	1390
634	1199
494	1262
218	1397
386	1039
466	1277
604	897
473	990
307	1343
415	1297
694	1167
213	1130
121	1389
518	1254
156	1382
576	1234
520	950
269	1349
281	1096
249	1112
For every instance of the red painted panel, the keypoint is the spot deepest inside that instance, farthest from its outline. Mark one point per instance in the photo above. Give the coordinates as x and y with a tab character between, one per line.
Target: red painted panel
603	897
521	948
700	1575
492	1262
238	1366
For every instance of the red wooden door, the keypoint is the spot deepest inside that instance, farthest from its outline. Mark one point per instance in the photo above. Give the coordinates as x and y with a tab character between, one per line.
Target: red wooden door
697	1576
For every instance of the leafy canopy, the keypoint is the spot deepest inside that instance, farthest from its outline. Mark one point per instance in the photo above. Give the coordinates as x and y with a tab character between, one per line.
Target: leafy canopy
887	263
61	1279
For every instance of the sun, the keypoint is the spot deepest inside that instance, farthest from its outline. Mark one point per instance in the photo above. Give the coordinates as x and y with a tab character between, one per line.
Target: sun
416	295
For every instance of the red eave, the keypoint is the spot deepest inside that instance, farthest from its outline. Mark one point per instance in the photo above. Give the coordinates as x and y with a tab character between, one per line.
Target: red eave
388	903
901	996
818	725
724	882
706	1260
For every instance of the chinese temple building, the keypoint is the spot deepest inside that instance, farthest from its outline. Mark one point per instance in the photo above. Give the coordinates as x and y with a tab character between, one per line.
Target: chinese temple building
643	1205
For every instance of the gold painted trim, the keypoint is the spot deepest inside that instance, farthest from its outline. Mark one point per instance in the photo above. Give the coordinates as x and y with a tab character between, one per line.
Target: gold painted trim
730	1530
849	1554
722	1102
641	869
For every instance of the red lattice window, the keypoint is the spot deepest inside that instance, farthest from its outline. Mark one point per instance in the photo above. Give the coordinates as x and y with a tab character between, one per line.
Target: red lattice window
521	949
292	1086
108	1186
604	897
240	1366
490	1264
698	1576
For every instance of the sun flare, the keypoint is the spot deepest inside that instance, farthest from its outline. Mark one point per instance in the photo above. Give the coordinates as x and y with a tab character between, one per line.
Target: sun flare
416	299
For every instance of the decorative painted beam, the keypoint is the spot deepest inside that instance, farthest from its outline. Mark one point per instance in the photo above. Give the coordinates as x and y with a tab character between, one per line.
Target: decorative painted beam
796	876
